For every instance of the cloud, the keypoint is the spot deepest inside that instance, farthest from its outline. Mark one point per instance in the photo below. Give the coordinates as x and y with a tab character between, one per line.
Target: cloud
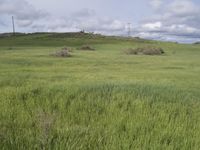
24	23
30	19
84	13
152	26
78	21
171	19
177	20
156	3
2	23
24	12
183	7
99	24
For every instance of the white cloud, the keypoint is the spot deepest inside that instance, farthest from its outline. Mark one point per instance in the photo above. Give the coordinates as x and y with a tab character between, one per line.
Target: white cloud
30	19
178	19
152	26
24	12
172	19
76	22
24	23
156	3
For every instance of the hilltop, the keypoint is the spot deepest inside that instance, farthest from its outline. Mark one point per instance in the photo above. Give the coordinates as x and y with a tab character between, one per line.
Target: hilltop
57	39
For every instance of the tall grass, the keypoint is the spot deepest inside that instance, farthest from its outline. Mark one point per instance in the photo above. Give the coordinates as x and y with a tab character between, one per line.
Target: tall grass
103	99
101	116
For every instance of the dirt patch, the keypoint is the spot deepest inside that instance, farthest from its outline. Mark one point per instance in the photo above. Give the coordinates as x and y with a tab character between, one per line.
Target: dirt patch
144	51
45	123
87	48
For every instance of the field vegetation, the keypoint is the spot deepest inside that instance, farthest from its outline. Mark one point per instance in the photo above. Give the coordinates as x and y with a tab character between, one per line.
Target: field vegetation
102	99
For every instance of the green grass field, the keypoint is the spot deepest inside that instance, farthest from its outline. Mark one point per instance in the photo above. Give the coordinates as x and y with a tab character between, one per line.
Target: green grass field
98	100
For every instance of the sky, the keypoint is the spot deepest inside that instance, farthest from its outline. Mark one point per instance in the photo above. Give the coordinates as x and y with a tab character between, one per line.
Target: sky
168	20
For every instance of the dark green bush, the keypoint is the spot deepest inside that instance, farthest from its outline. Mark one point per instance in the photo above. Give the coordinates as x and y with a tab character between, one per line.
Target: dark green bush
145	51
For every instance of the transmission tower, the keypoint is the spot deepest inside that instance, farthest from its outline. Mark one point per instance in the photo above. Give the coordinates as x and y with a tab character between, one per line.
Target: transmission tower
129	29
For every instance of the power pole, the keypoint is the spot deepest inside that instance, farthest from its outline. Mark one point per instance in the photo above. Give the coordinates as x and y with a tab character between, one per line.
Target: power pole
129	29
13	23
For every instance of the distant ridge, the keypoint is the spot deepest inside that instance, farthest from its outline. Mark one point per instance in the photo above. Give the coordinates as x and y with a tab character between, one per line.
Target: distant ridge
197	42
73	35
11	34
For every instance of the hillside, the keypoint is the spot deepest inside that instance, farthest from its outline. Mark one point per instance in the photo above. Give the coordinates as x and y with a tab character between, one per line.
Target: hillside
100	99
59	39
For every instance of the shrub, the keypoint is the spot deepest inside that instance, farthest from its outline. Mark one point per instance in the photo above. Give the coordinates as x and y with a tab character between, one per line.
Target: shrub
67	49
62	53
145	51
131	51
197	43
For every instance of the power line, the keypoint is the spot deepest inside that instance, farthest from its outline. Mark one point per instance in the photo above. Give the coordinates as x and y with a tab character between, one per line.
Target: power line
13	23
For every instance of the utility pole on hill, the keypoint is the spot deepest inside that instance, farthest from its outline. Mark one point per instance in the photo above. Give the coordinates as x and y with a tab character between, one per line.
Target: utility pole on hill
129	29
13	24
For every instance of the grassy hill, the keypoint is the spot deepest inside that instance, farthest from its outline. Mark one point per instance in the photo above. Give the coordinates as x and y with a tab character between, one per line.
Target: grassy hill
102	99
